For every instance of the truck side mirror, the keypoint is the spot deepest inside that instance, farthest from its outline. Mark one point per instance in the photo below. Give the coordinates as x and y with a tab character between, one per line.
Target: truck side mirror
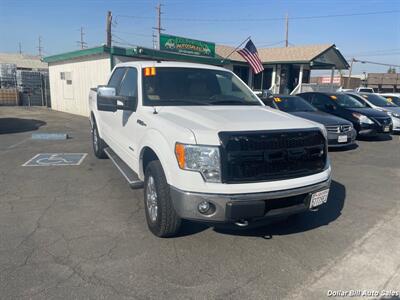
128	103
106	99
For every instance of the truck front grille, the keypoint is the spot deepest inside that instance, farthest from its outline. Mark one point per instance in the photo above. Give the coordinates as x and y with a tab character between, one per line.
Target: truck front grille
271	155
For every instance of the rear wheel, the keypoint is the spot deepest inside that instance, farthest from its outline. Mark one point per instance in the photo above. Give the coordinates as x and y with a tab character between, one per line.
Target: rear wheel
161	217
98	144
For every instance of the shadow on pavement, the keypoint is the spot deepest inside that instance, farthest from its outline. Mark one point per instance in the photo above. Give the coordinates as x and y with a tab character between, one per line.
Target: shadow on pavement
378	138
344	148
15	125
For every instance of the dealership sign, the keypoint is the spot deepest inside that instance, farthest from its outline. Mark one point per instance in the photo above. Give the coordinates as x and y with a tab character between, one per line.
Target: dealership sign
327	79
186	46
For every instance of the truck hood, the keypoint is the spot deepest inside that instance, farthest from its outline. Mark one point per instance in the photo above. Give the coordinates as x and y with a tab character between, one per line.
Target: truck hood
206	121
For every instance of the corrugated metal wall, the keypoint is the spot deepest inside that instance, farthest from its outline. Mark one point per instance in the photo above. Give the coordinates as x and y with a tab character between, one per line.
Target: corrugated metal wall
71	81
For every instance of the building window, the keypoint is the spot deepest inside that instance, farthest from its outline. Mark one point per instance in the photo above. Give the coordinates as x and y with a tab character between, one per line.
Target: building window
66	76
265	76
242	72
69	82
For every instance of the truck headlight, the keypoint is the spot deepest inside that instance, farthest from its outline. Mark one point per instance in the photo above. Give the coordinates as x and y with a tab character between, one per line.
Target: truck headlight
202	159
362	119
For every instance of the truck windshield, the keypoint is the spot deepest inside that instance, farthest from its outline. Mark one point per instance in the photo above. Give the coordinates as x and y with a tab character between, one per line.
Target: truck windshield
194	86
293	103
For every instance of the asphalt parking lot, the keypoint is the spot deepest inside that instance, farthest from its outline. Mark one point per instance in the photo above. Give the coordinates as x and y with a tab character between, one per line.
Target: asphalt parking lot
70	232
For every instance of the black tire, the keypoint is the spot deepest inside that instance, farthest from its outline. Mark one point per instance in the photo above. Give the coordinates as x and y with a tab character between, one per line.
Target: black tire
166	222
98	144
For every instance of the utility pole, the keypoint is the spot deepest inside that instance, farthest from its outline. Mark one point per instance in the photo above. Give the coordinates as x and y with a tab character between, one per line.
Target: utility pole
154	37
287	31
108	29
351	69
158	28
40	47
20	48
82	43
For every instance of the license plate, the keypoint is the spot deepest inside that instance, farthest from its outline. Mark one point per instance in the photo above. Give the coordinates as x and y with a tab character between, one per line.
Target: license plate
342	138
319	198
386	129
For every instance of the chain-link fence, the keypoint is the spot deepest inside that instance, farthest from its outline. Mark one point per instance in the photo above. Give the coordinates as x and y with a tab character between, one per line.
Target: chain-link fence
23	87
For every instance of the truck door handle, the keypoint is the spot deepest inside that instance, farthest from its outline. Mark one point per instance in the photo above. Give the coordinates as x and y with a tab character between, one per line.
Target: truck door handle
141	123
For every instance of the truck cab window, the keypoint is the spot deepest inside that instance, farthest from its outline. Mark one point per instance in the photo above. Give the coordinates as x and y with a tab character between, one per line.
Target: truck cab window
116	78
129	84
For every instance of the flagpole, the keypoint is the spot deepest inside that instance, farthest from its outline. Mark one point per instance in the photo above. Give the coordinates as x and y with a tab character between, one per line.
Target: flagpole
225	58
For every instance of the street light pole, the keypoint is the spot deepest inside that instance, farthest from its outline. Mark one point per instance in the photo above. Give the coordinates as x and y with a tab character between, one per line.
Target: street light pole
351	69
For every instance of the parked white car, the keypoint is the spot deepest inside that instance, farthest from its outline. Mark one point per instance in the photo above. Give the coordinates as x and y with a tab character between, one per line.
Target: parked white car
205	147
363	89
378	102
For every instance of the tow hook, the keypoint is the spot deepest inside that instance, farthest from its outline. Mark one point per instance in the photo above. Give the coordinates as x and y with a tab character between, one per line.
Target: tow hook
242	223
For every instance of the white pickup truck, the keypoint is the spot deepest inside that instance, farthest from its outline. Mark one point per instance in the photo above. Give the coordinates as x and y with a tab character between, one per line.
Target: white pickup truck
204	147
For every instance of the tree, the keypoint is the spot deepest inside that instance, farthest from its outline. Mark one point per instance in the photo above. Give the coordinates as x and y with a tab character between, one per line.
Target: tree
391	70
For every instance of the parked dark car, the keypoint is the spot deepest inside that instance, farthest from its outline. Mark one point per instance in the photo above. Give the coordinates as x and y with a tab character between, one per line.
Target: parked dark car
340	131
366	121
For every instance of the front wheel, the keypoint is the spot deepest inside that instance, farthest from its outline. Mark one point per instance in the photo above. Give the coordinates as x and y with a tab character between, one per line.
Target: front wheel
161	217
98	144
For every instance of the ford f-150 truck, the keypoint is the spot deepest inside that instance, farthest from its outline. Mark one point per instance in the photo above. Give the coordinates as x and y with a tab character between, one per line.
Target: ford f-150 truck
204	147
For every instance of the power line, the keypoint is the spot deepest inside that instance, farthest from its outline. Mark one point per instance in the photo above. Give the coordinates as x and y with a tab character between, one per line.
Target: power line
374	63
377	54
267	19
122	41
271	44
131	33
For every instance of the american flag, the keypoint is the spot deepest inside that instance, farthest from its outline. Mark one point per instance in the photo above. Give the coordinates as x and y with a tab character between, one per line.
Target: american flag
250	54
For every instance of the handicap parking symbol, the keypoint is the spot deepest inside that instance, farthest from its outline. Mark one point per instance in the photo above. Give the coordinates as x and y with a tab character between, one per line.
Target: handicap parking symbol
55	159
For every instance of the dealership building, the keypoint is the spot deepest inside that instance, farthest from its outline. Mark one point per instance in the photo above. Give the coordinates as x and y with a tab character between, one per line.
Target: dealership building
286	70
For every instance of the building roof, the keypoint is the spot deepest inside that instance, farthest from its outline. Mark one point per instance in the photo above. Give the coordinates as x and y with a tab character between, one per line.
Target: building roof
23	61
139	52
273	55
325	55
318	56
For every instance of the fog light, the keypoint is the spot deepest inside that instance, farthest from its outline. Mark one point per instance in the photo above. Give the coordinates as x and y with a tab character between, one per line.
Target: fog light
203	207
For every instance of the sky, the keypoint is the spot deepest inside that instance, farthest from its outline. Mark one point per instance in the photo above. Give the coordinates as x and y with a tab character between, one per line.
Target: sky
371	33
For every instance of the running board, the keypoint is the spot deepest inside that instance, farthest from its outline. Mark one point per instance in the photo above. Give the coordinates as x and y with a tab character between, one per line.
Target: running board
126	171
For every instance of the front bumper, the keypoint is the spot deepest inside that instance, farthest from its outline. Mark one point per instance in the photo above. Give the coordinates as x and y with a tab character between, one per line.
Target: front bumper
373	129
396	124
234	207
333	139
